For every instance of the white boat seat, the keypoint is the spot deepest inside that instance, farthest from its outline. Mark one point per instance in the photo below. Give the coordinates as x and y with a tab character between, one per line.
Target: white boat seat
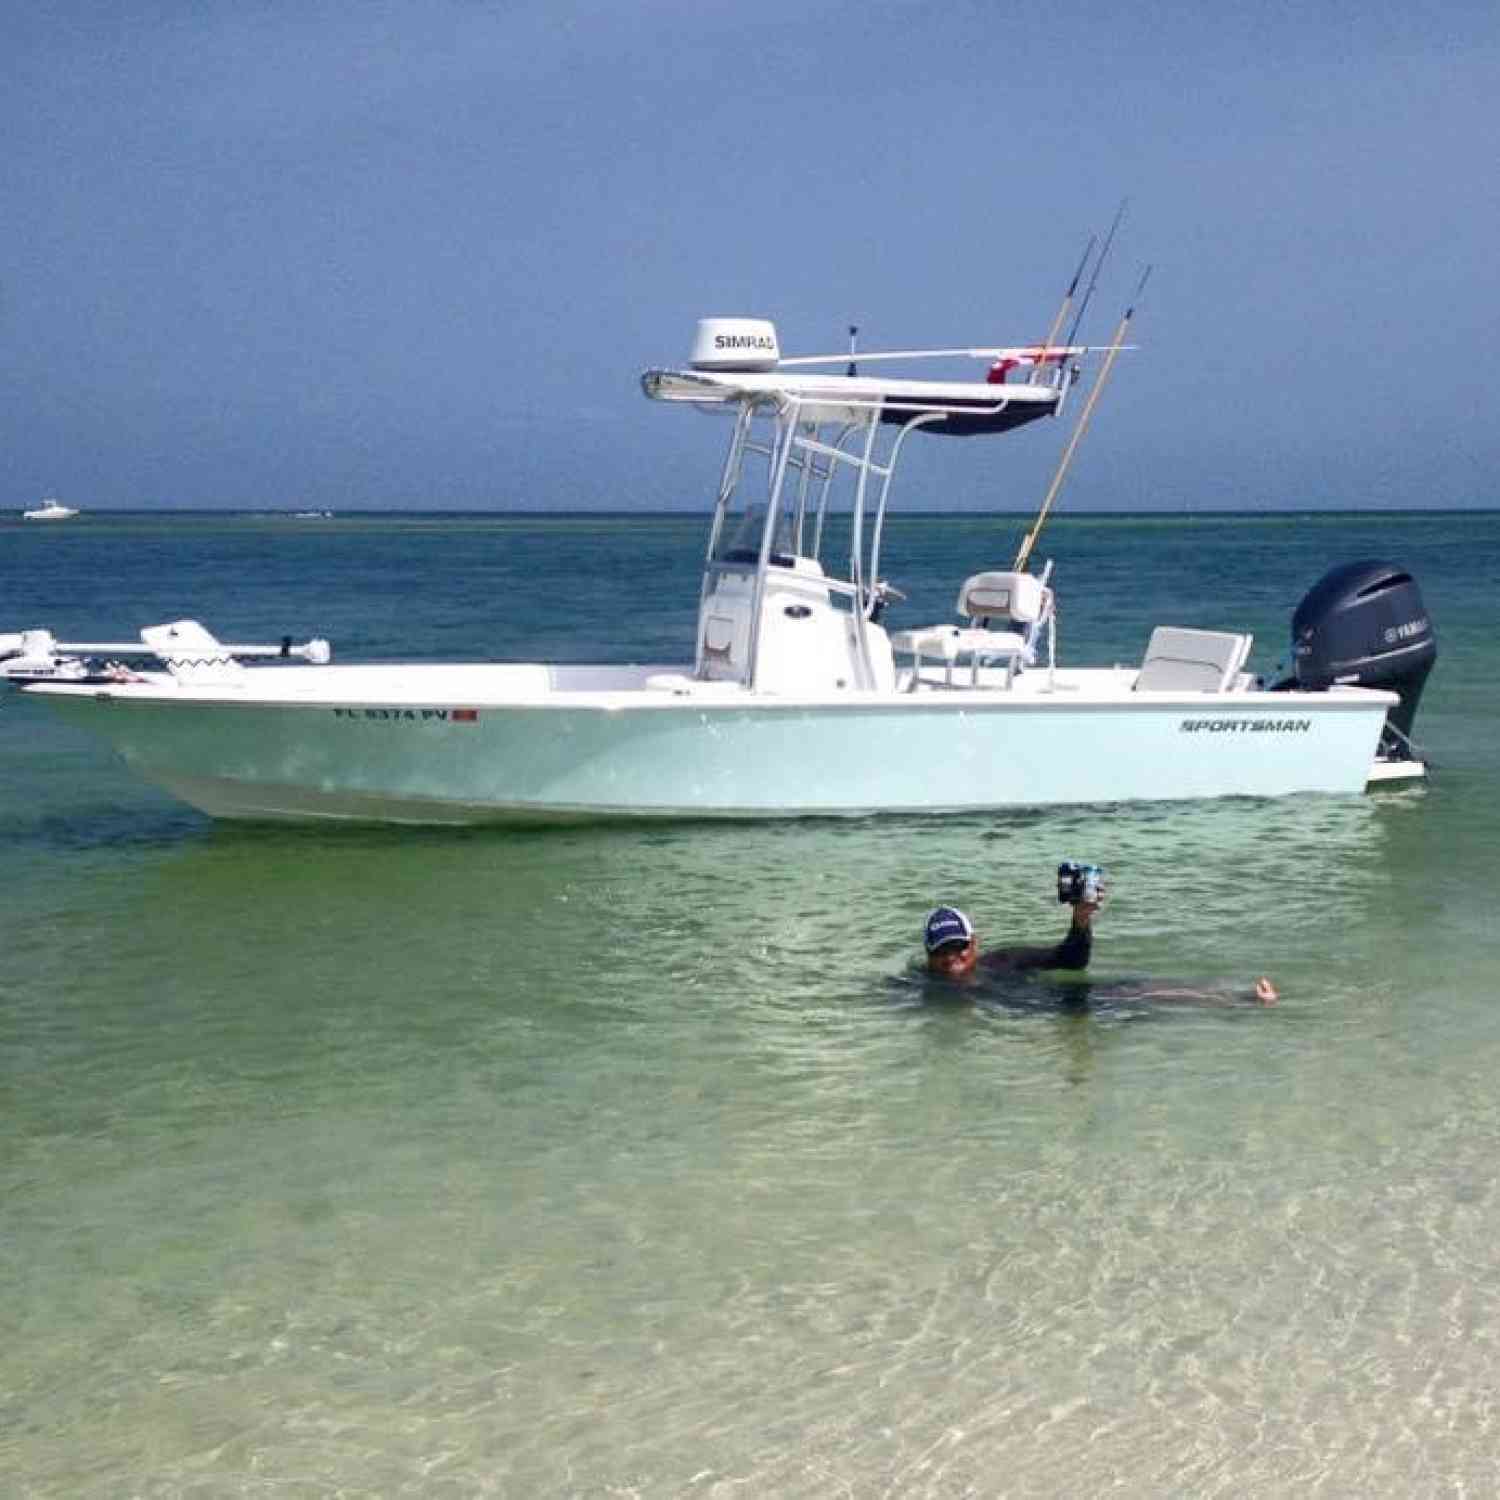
1020	598
1192	661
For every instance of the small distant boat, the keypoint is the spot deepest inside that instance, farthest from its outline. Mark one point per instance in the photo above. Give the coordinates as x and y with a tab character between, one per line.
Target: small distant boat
312	515
50	510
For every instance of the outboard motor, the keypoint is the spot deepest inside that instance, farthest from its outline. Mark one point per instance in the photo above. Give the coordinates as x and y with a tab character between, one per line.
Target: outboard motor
1363	623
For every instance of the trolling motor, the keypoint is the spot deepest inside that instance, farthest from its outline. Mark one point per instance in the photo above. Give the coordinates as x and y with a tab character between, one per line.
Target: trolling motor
185	648
1364	624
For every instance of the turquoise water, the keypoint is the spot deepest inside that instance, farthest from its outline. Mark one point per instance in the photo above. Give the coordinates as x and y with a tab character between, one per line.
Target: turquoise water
617	1162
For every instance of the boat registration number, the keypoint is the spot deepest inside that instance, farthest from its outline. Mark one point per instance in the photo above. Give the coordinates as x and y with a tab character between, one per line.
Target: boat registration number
410	715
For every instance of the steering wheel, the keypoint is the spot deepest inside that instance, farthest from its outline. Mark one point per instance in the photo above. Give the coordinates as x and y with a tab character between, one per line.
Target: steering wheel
882	594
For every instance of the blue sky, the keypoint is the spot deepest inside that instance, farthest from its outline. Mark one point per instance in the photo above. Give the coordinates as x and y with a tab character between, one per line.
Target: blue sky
415	255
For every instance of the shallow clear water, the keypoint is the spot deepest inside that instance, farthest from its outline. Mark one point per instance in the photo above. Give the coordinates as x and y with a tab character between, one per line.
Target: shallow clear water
641	1162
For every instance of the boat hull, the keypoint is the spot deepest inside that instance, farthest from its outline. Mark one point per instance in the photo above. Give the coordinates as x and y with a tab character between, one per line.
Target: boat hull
603	756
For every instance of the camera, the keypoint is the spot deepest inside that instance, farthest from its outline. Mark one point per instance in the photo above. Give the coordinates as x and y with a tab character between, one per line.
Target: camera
1076	882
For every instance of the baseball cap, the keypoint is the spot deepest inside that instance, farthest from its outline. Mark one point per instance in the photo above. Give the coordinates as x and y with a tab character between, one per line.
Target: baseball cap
946	925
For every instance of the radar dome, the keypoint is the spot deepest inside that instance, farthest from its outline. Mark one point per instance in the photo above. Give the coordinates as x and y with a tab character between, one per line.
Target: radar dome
735	344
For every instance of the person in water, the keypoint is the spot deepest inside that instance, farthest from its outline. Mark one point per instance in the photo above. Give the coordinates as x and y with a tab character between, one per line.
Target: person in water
953	946
953	953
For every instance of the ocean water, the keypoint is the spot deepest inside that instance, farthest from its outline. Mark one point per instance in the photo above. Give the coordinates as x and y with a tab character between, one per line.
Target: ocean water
628	1162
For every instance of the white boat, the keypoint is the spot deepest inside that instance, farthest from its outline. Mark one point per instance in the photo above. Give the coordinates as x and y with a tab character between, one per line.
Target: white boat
796	699
50	510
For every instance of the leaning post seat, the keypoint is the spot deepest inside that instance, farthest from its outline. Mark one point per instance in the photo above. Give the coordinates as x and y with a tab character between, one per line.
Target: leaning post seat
1015	599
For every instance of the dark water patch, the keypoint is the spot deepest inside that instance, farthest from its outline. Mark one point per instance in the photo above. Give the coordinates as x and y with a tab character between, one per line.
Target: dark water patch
106	826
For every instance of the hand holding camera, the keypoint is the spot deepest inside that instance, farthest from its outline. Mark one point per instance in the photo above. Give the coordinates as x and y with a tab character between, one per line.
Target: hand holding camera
1080	884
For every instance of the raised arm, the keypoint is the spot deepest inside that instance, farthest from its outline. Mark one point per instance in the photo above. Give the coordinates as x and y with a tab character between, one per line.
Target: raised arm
1071	953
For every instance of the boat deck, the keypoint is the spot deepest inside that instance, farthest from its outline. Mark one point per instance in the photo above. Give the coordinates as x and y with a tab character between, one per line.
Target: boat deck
534	684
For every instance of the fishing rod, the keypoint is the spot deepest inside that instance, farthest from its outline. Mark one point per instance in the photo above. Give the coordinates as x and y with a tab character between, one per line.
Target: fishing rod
1116	344
1109	240
1062	311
